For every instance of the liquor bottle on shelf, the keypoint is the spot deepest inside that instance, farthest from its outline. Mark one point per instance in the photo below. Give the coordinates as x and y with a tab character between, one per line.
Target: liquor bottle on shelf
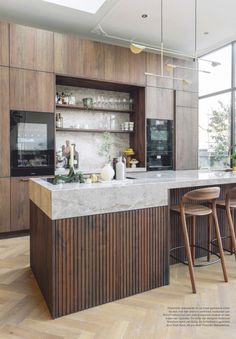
59	120
76	158
63	98
66	99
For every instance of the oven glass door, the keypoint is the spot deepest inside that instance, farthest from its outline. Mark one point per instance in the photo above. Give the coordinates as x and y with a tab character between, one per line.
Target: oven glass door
32	143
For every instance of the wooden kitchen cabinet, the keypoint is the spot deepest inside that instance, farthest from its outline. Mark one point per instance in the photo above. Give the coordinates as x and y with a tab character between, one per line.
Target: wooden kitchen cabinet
78	57
159	103
32	90
187	74
19	204
4	123
4	205
31	48
4	44
121	65
91	59
153	65
186	138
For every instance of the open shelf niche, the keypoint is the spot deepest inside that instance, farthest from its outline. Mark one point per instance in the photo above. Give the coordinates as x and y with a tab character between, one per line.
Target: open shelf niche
94	115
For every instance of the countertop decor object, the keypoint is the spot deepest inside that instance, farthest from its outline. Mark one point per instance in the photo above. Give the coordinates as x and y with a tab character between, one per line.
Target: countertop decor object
71	177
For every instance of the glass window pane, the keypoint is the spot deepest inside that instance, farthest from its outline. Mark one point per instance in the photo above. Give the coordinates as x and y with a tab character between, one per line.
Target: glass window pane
214	131
220	77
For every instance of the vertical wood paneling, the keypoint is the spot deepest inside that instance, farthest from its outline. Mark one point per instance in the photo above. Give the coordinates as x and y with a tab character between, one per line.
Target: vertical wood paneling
4	44
102	258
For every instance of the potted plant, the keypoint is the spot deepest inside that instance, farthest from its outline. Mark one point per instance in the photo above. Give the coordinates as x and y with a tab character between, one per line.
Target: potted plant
107	172
233	158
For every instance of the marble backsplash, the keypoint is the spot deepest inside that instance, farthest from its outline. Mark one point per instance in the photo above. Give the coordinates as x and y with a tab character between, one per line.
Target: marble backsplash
88	143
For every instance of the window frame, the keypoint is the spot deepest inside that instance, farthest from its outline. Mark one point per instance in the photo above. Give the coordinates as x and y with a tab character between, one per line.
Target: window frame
231	90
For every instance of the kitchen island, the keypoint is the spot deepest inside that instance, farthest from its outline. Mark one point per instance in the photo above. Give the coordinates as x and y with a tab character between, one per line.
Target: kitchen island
95	243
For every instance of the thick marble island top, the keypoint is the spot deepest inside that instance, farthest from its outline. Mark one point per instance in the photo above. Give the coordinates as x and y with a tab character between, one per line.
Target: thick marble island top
149	189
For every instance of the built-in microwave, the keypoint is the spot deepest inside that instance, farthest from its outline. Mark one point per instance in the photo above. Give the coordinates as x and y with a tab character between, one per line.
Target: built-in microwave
159	144
32	143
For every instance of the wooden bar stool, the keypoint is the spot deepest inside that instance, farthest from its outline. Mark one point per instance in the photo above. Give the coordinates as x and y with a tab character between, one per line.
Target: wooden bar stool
185	209
229	205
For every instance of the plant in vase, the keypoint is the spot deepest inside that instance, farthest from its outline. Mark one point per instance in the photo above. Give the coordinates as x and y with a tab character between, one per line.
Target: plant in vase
107	172
233	158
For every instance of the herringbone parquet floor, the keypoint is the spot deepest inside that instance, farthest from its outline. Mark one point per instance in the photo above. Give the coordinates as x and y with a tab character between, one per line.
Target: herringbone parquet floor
23	313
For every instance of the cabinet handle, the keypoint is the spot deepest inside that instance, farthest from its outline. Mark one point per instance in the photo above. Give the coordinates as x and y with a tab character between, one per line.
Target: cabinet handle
24	180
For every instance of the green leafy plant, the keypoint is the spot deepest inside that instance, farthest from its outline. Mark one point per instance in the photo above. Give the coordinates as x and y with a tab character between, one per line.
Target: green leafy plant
233	158
105	148
71	177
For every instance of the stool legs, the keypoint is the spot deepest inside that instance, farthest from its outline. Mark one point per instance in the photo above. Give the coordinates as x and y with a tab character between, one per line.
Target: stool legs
188	251
209	236
231	229
193	238
218	236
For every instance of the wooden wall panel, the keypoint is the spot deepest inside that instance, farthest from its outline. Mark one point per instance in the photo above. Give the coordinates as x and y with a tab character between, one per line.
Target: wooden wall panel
153	65
4	44
121	65
4	123
19	204
4	205
31	90
31	48
100	258
186	74
186	138
186	99
78	57
159	103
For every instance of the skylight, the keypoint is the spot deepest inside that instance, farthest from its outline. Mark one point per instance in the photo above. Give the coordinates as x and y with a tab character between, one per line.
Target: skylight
89	6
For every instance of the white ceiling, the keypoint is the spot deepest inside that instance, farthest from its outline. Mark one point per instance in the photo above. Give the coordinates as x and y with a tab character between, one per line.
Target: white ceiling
122	18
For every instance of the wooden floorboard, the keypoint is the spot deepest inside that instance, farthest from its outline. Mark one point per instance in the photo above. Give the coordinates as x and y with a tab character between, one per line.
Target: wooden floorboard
24	314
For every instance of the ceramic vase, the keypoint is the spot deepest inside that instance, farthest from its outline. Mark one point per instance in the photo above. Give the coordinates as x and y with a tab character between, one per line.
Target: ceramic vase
107	173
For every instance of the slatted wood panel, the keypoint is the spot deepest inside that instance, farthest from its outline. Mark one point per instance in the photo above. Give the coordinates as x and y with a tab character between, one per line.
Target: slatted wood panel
102	258
176	238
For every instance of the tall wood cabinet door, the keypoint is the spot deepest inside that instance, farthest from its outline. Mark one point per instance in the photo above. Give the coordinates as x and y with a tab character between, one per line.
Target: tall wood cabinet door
153	65
32	90
19	204
4	44
4	123
159	103
4	205
31	48
186	133
78	57
121	65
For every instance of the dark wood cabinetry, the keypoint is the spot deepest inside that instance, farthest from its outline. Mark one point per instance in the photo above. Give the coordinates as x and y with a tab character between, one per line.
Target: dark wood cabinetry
4	123
4	205
159	103
31	48
19	204
32	90
90	59
121	65
78	57
4	44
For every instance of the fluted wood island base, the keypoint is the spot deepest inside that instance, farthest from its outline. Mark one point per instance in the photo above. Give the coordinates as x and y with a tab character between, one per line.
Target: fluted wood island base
91	260
92	244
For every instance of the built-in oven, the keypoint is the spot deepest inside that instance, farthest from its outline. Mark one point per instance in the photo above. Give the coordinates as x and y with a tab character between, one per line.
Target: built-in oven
32	143
159	144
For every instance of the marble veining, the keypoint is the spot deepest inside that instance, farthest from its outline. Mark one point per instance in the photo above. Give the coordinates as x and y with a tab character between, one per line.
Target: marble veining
149	189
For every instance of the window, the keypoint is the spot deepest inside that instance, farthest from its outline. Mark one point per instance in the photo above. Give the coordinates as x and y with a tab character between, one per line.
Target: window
217	108
214	131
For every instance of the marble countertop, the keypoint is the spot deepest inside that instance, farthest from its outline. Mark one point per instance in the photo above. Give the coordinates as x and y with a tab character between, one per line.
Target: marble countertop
148	189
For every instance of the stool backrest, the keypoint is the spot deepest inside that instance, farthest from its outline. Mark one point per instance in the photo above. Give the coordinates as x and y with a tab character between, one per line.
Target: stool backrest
231	193
204	194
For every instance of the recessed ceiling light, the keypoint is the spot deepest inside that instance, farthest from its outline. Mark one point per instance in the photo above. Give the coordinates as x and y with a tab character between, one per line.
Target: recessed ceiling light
144	16
206	33
91	6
